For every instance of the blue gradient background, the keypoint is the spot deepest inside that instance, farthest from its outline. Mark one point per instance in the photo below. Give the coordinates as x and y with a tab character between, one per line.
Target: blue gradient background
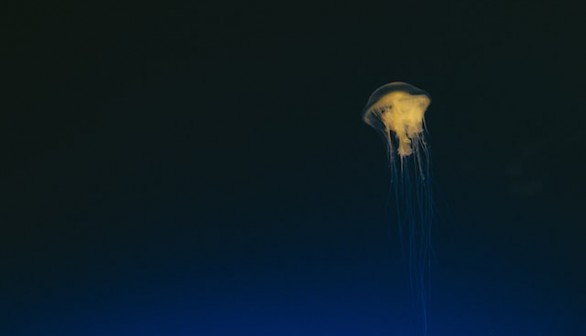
202	169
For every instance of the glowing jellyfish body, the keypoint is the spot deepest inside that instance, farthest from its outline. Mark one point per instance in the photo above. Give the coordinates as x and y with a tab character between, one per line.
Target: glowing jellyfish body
397	110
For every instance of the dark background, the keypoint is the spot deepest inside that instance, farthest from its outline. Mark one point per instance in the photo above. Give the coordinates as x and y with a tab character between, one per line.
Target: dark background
201	168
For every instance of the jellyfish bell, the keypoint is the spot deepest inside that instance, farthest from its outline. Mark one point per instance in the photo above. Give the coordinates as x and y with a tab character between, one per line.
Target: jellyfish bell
397	110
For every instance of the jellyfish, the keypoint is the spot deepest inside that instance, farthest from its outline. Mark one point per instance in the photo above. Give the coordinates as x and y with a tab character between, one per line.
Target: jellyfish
396	110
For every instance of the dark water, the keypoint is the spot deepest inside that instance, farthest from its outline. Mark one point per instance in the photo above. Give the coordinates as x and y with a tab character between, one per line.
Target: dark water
203	169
